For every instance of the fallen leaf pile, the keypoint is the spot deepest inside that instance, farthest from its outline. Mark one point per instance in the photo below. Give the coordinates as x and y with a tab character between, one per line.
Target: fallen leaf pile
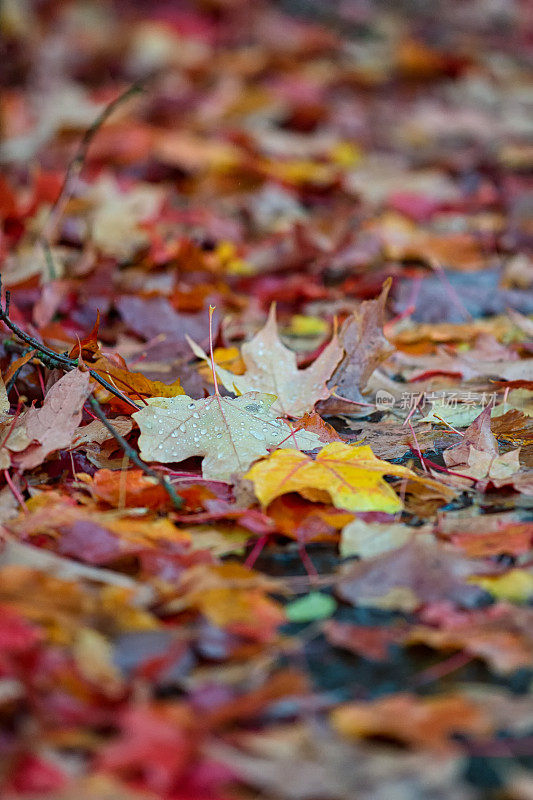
266	401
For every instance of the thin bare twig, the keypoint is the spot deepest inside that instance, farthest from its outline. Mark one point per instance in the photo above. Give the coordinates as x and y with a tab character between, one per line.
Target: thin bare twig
133	455
76	164
74	168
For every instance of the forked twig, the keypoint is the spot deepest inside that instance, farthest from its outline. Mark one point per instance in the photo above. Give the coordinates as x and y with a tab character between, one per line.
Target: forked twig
50	358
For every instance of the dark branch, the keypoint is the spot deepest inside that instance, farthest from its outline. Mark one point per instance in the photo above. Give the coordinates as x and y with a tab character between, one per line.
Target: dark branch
54	360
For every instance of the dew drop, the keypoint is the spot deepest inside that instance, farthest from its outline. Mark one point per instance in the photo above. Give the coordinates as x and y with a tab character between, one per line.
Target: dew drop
257	435
196	415
191	405
182	428
203	431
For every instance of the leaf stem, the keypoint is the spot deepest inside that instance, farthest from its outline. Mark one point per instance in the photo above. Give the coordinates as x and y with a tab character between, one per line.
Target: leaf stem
211	309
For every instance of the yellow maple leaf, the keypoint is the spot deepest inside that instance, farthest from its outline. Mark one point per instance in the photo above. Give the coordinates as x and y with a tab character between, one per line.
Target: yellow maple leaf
351	476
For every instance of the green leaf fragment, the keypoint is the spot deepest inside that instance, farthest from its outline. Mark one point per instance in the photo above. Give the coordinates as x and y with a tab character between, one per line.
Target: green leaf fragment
312	607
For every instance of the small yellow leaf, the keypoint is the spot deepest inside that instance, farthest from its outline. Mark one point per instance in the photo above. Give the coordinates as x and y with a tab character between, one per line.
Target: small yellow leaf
515	586
93	655
302	325
345	154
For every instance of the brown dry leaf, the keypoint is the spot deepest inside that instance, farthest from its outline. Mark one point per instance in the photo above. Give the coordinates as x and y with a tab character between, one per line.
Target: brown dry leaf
514	538
498	469
304	762
371	643
271	368
117	217
314	423
245	612
392	440
132	384
514	426
93	655
90	532
425	498
421	333
233	597
420	722
53	425
229	432
417	573
502	648
364	346
520	481
306	521
499	634
477	435
97	433
17	364
194	153
477	454
129	488
14	439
